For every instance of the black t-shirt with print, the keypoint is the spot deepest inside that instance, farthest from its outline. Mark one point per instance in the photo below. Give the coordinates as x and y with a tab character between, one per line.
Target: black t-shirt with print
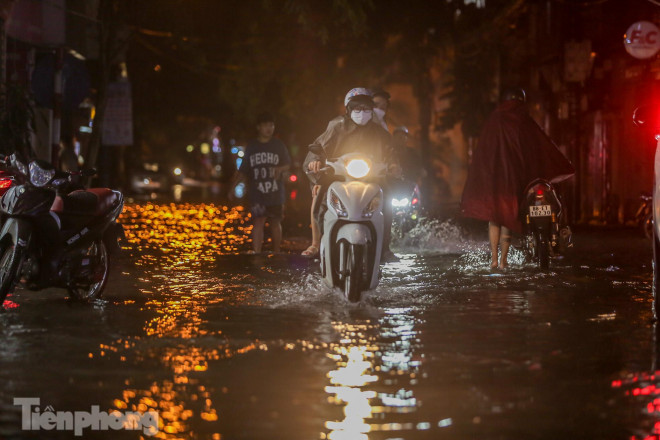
259	163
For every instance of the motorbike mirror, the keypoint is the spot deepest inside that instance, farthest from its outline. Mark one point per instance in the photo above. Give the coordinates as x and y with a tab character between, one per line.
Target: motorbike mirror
641	115
317	149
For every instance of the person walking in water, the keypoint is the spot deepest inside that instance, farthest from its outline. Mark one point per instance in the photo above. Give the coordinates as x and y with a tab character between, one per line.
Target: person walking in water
512	151
266	159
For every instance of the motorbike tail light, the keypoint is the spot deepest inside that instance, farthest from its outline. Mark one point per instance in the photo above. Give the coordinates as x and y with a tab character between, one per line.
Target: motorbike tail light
293	178
294	194
539	192
5	183
415	201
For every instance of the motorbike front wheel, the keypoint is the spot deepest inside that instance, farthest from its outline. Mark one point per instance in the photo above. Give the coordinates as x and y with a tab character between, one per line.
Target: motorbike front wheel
85	290
647	226
9	265
354	280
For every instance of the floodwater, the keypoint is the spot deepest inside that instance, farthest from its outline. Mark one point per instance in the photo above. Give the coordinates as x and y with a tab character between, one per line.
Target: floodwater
225	345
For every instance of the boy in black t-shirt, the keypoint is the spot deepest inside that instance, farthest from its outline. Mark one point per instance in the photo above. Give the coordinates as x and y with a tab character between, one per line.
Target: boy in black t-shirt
265	160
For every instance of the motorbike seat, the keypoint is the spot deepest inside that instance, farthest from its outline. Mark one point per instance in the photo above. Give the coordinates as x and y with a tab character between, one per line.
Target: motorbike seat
90	202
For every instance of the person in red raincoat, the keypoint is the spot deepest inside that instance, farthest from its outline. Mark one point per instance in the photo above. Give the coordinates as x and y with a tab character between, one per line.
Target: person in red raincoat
512	151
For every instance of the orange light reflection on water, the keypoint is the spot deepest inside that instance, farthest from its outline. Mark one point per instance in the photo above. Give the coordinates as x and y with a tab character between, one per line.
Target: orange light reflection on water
170	243
184	234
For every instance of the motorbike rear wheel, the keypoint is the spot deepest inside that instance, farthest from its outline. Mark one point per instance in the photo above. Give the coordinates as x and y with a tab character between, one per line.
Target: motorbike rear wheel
353	282
9	265
543	249
92	289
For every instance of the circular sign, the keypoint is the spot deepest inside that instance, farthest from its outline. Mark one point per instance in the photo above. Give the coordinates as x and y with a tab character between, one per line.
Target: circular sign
642	40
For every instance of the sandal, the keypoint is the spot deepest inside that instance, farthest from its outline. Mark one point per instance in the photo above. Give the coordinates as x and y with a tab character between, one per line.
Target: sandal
310	252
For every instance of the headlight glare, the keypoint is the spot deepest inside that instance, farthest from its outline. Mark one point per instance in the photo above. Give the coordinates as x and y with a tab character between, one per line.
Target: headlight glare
398	203
357	168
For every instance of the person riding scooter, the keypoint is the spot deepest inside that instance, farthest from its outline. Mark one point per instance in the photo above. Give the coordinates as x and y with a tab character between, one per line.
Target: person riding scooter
354	132
412	167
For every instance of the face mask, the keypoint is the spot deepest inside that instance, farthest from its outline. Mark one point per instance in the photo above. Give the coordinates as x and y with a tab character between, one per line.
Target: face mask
380	113
361	117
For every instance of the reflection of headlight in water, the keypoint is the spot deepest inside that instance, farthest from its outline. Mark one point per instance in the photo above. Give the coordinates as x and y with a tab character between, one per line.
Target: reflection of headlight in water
400	202
239	191
357	168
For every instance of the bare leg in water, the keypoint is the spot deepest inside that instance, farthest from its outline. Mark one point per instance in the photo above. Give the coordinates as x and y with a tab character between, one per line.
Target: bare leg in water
499	235
313	249
258	234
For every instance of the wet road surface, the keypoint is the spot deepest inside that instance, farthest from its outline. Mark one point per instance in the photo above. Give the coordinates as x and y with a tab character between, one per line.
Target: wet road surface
225	345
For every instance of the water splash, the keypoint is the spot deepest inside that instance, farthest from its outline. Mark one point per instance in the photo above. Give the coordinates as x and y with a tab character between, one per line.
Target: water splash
431	237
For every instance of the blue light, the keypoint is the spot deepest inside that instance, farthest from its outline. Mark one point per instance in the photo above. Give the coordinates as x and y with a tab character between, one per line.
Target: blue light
234	150
239	190
239	161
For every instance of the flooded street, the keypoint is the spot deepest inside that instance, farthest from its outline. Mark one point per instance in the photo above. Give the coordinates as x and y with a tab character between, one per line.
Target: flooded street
225	345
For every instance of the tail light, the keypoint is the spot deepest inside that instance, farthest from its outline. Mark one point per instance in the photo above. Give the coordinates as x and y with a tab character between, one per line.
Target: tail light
5	183
415	201
294	194
538	191
293	178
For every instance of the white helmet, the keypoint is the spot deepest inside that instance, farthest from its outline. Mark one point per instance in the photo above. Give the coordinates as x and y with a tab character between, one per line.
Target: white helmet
358	91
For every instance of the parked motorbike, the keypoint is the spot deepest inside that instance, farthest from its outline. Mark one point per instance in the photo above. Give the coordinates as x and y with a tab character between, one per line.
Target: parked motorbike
7	177
644	215
47	240
352	224
545	231
406	208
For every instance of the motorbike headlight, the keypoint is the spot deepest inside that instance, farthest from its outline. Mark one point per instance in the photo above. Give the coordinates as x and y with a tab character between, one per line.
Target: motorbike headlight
357	168
337	205
373	205
399	203
40	176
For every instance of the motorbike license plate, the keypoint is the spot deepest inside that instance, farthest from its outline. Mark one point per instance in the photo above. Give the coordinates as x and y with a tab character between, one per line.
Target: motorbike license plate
540	211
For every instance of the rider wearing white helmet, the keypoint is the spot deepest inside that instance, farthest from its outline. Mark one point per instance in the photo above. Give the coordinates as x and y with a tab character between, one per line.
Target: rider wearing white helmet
355	131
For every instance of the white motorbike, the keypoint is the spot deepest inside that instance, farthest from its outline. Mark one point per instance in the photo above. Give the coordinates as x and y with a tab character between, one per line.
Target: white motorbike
352	225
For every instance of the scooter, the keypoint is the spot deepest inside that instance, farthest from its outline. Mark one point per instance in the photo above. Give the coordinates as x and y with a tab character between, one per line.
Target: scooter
406	208
545	233
352	224
47	240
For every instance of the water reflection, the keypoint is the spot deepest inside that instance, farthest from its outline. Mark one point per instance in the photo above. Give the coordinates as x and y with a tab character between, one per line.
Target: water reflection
184	235
640	391
370	358
378	360
170	244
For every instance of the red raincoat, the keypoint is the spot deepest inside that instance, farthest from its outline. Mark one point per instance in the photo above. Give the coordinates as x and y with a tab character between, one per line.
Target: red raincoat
512	151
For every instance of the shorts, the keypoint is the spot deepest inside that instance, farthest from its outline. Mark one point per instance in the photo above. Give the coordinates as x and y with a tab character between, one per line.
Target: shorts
272	212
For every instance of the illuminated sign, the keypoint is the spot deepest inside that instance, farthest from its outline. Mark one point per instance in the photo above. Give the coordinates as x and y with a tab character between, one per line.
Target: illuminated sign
642	40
